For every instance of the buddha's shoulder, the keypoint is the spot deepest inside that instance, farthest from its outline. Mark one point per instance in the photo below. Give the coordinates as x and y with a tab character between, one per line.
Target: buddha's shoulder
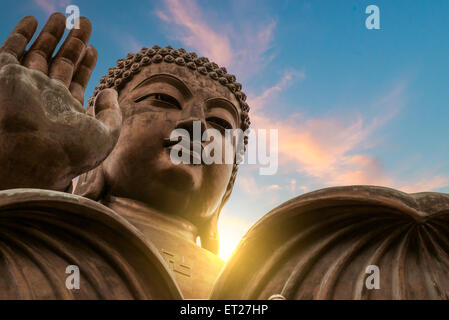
414	204
318	246
43	232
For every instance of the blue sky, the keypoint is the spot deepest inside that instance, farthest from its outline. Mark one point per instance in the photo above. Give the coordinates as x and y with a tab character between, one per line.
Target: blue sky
352	105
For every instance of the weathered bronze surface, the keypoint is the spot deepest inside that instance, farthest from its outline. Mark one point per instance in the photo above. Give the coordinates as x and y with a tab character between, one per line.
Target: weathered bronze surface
118	150
318	246
42	232
194	269
133	224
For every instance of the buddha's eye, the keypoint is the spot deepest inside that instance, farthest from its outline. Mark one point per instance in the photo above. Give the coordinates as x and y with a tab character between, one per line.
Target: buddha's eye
220	123
161	98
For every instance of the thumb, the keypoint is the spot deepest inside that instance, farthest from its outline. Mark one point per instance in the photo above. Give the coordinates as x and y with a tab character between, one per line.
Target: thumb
107	110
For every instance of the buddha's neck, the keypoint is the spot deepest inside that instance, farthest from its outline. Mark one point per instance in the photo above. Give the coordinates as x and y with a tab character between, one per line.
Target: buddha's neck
147	219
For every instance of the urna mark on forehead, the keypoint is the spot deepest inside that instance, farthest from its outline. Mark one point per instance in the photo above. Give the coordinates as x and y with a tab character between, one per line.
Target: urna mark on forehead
128	68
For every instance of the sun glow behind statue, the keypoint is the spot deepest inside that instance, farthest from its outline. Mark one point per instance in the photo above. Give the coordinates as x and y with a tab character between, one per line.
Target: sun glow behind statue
231	231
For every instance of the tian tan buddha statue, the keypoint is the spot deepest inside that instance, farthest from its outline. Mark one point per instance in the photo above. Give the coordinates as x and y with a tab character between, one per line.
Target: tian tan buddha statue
95	190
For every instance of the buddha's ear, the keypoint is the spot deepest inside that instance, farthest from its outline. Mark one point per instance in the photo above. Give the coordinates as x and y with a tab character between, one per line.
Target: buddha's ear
208	233
90	184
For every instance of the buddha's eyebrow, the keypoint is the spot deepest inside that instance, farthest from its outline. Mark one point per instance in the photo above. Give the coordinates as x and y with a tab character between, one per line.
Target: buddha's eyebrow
169	79
225	104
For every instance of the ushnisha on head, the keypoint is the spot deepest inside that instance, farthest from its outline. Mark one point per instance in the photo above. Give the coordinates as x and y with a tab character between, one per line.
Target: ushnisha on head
139	167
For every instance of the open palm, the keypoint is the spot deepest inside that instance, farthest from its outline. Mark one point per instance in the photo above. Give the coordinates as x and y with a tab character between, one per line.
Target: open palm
46	138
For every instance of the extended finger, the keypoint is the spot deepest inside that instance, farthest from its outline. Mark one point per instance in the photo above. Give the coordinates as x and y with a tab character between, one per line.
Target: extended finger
68	56
83	73
17	41
42	49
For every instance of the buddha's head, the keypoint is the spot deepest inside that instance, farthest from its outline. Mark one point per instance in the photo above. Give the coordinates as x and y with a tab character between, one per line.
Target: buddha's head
161	90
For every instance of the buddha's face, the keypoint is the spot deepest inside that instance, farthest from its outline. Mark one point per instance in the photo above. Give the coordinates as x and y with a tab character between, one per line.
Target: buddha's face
159	99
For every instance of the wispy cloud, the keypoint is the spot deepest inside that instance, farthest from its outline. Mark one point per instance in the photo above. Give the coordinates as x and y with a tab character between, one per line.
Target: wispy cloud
219	40
258	102
128	42
51	6
330	149
249	185
324	147
426	184
195	32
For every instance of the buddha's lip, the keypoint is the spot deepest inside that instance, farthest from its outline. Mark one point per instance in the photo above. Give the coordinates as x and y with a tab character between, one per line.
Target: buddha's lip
191	150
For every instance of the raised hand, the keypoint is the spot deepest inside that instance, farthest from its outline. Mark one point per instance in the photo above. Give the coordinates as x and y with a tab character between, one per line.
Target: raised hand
46	139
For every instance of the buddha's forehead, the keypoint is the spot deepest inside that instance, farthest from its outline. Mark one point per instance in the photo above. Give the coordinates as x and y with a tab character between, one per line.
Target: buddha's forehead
201	86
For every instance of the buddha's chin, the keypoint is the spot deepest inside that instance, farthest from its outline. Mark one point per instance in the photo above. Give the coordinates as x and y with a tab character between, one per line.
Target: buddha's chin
179	177
175	189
